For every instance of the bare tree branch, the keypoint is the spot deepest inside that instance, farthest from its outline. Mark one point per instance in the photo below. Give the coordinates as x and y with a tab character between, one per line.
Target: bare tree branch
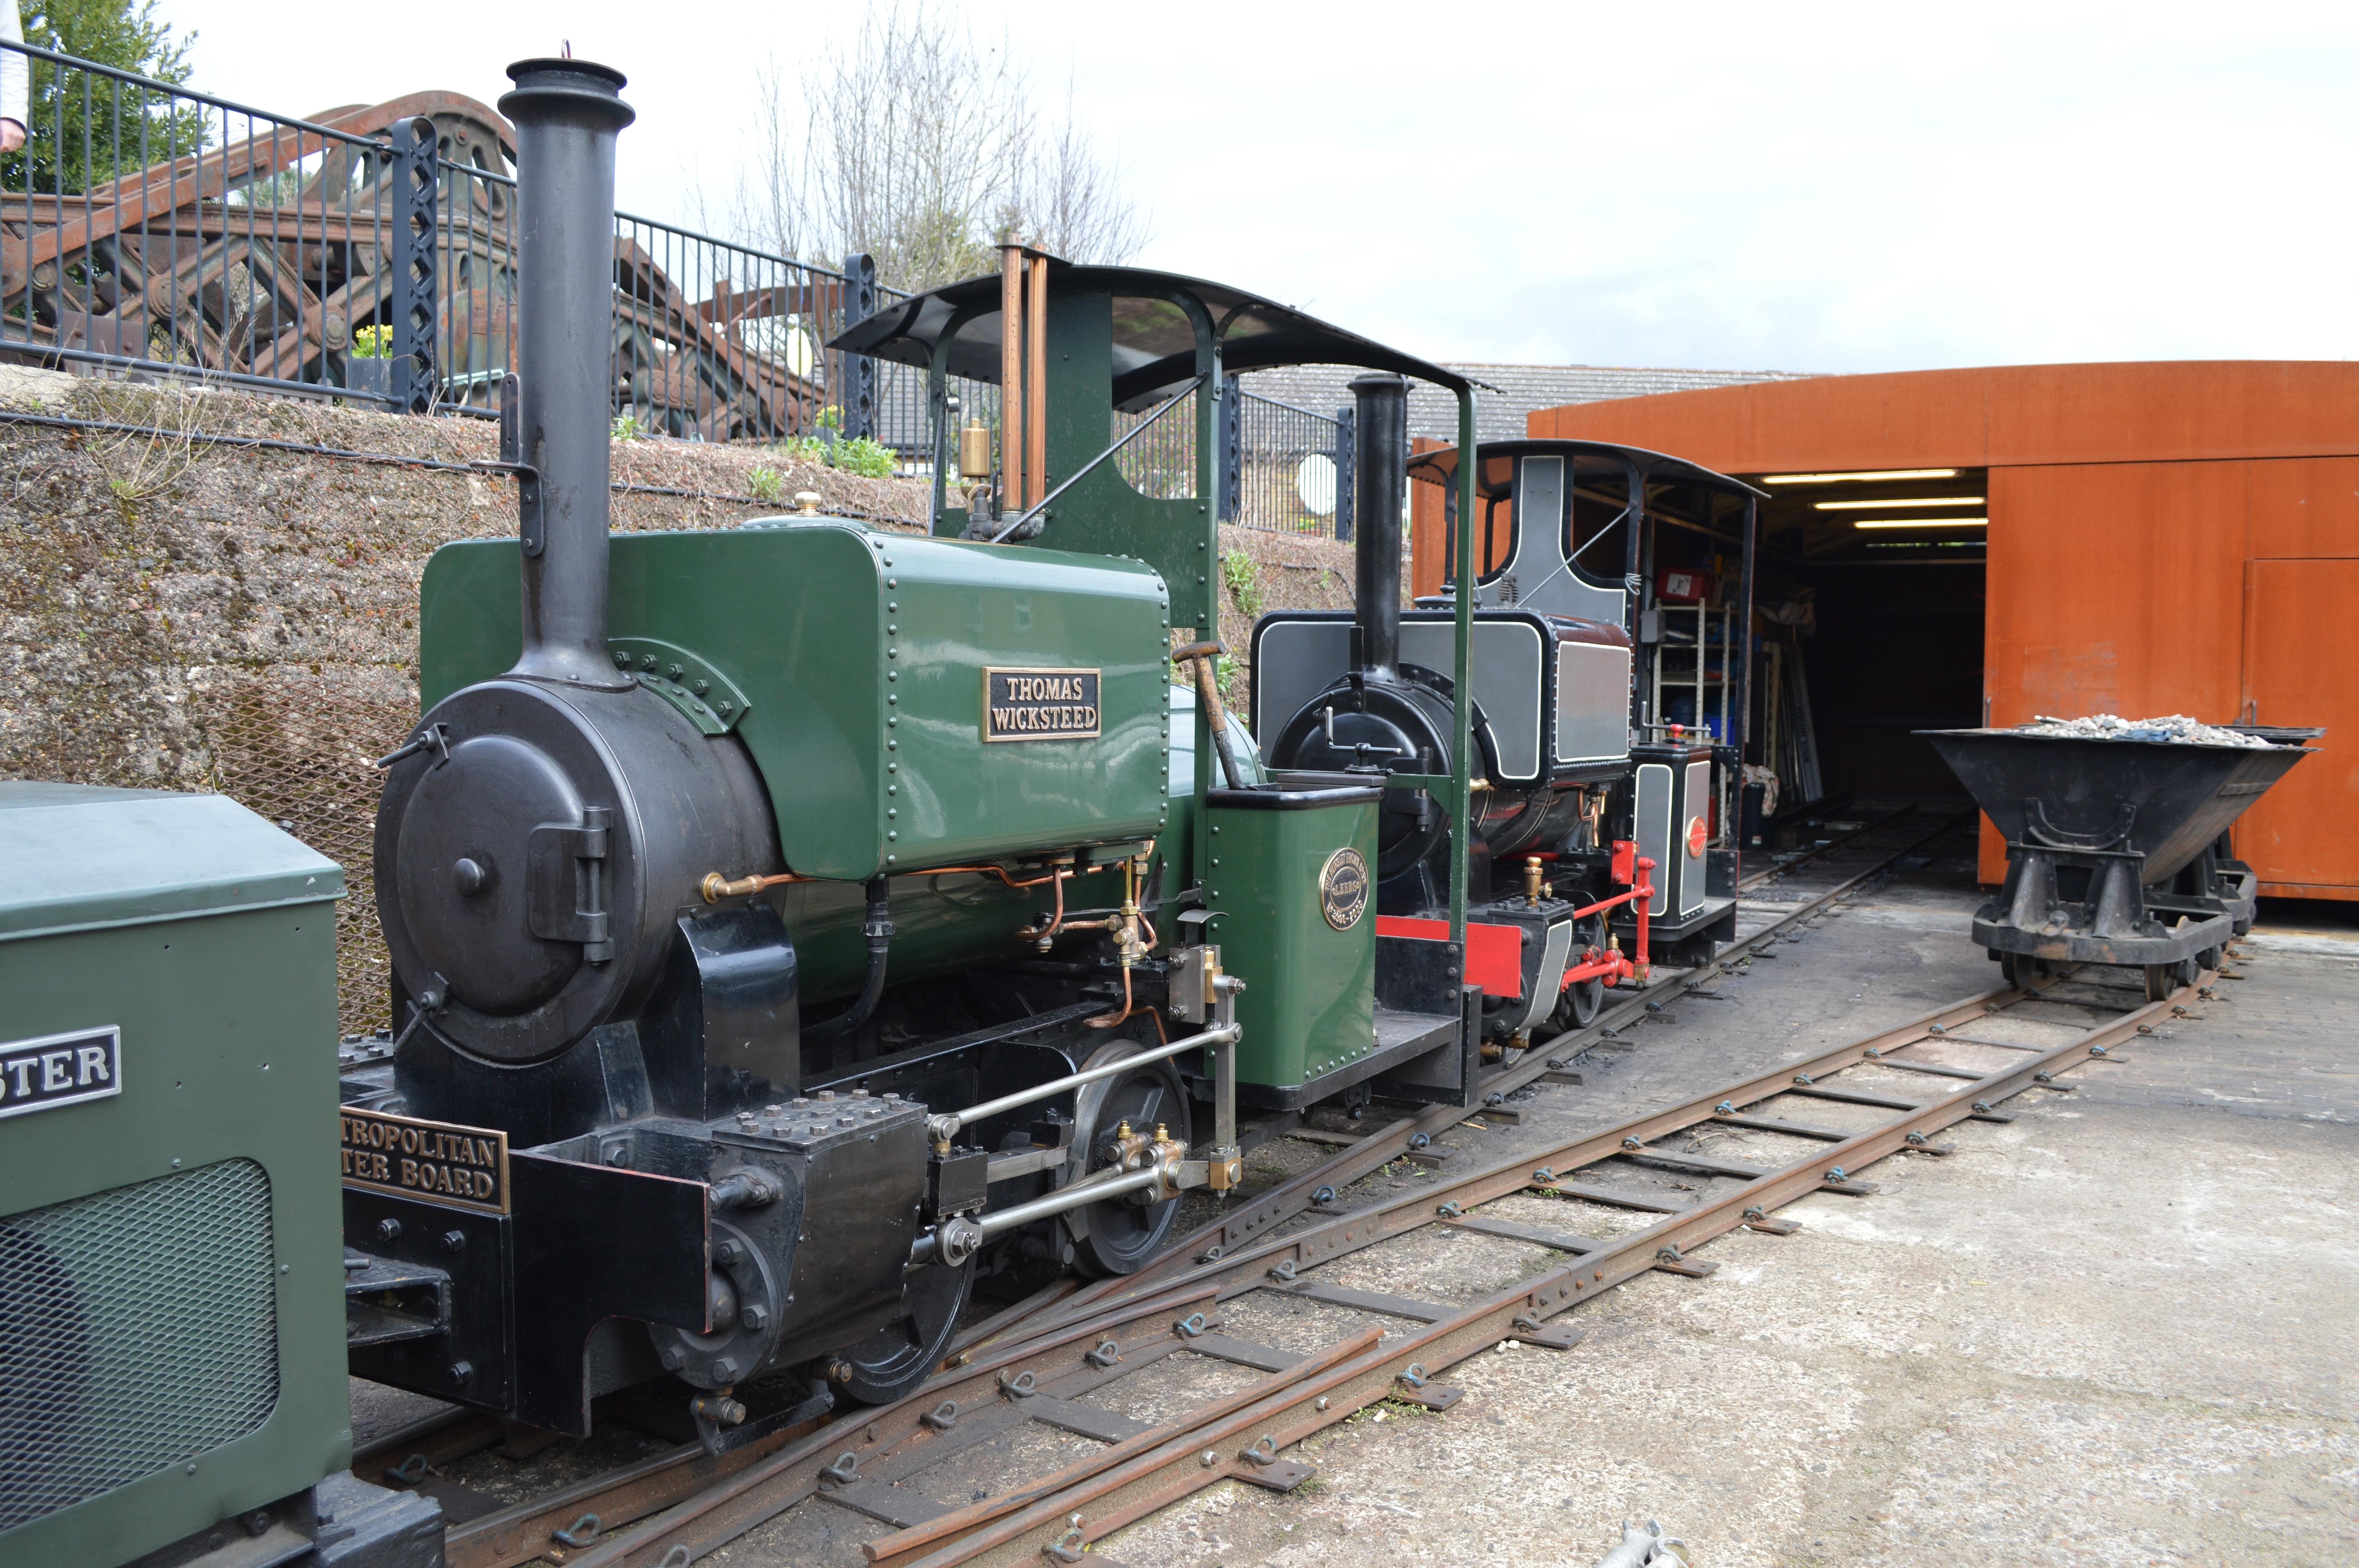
925	149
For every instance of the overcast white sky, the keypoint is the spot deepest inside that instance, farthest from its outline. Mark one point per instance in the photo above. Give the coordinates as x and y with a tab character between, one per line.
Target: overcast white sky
1796	187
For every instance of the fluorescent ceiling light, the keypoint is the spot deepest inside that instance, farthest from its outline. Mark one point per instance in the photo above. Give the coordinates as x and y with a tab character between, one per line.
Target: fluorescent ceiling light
1897	505
1920	523
1856	478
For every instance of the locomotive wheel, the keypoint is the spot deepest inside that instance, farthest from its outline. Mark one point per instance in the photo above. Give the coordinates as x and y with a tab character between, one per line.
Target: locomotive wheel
1583	999
904	1352
1116	1236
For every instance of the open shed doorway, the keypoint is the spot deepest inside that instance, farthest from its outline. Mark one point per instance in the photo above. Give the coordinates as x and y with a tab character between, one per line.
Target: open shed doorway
1869	615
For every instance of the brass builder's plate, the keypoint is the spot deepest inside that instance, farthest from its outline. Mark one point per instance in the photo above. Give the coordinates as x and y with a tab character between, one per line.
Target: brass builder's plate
1040	705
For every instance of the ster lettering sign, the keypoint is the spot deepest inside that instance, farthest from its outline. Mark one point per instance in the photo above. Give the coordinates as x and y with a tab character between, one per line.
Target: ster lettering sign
1040	705
60	1069
433	1161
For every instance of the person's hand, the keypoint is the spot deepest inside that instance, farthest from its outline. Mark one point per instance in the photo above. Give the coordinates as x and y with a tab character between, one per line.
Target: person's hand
11	135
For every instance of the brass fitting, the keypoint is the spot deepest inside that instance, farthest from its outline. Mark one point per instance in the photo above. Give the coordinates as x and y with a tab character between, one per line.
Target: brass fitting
974	450
716	887
1532	881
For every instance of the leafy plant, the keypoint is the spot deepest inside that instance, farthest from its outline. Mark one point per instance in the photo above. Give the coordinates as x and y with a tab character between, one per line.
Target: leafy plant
627	427
765	484
373	342
87	129
864	456
831	417
1243	577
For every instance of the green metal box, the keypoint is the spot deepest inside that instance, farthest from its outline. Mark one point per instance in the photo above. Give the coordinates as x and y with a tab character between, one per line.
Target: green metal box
859	668
1293	908
171	1257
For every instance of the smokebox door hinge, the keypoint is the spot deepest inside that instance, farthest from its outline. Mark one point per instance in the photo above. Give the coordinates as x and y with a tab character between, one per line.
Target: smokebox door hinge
710	699
565	899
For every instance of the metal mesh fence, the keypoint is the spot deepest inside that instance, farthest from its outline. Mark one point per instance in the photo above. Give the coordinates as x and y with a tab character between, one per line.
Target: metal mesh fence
138	1329
297	747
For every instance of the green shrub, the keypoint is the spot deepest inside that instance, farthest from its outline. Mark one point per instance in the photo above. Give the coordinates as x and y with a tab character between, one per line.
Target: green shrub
866	458
765	484
1237	570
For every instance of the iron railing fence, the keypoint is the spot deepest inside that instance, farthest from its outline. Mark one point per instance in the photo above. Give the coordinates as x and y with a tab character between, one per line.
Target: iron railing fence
145	223
714	341
148	229
1288	469
1162	462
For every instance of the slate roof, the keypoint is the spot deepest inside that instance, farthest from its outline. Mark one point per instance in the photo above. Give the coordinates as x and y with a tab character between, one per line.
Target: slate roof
1520	389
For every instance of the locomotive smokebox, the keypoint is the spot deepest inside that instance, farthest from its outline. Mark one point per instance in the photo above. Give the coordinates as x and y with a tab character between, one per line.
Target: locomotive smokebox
542	833
567	113
1379	475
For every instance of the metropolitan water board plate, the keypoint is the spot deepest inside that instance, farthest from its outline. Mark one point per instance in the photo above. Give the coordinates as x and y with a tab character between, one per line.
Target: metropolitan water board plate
1040	705
433	1161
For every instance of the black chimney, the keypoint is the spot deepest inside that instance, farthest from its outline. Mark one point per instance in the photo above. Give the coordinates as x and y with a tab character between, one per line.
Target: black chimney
567	113
1380	469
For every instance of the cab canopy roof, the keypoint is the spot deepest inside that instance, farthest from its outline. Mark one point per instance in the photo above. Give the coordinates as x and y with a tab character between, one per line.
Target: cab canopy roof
1155	343
1494	473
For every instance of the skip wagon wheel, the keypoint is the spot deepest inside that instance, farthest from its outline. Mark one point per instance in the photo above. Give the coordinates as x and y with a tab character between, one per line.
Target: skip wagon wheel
2018	969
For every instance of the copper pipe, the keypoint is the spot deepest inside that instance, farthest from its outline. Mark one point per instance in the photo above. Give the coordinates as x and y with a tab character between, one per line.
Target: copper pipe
1001	873
716	887
1011	377
1108	1020
1036	391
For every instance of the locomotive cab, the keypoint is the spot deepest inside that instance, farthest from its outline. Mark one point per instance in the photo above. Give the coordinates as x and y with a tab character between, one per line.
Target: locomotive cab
1573	742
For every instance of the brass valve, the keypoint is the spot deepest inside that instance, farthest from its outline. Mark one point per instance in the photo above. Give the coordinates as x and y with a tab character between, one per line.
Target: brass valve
1532	879
974	450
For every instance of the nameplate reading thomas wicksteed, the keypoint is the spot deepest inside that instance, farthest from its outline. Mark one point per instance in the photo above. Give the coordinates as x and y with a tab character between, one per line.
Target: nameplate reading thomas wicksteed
433	1161
1040	705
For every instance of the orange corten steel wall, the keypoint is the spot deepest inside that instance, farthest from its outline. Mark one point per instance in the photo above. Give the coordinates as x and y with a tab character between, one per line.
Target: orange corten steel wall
2164	538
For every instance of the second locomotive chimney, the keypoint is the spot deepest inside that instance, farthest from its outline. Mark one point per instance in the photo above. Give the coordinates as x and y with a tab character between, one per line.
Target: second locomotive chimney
567	113
1379	473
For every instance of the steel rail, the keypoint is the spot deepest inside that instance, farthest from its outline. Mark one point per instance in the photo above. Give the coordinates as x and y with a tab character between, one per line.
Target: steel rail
1779	868
1294	1197
699	1520
1061	1526
685	1484
692	1500
1362	1227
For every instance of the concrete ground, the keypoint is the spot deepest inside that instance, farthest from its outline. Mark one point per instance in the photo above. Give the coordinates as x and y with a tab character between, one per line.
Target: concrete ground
2117	1330
2114	1331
